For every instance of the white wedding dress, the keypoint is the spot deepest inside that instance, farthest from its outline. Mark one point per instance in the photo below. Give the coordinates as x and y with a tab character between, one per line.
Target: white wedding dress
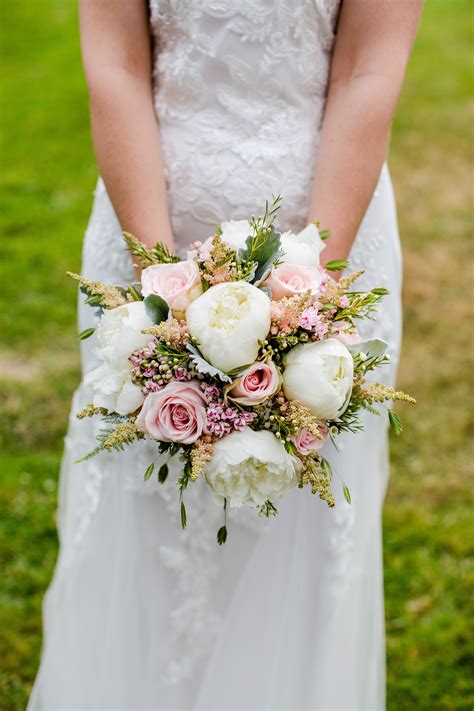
289	613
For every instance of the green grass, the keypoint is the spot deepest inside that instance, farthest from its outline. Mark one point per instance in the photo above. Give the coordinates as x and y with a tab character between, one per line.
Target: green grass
48	175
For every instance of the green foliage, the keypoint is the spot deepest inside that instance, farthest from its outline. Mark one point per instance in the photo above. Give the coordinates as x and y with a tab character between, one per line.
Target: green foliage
86	333
47	181
158	254
267	509
263	247
395	422
347	493
222	535
149	471
156	307
337	265
183	514
163	473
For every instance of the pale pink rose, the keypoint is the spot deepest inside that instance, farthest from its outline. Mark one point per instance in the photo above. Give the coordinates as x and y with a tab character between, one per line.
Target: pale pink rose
345	333
307	443
177	413
178	284
292	279
259	382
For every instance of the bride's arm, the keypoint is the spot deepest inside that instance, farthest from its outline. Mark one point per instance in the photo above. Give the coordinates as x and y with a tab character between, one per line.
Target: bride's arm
116	53
373	43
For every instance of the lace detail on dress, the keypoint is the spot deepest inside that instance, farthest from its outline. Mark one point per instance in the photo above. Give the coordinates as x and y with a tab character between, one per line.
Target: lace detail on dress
340	550
191	558
240	90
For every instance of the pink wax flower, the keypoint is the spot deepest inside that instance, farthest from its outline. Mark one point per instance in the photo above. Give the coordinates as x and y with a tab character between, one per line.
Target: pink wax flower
178	284
256	384
177	413
181	373
293	279
309	318
321	329
211	392
307	443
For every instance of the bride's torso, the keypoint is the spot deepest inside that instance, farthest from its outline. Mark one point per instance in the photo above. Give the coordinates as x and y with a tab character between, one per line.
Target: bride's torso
239	90
239	93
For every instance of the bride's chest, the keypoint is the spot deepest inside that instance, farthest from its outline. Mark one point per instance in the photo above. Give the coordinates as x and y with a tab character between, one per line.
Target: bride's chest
213	27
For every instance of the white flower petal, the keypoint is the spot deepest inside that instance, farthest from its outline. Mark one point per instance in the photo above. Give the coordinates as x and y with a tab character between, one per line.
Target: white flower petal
320	376
249	467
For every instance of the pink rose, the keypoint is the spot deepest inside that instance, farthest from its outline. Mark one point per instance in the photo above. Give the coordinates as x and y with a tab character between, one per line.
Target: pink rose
177	413
345	333
307	443
178	284
291	279
259	382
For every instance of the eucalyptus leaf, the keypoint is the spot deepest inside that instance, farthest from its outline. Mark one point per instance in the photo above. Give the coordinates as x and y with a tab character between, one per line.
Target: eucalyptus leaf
156	308
202	366
263	248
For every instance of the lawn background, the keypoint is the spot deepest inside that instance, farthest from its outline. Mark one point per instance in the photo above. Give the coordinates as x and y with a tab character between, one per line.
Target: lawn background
48	175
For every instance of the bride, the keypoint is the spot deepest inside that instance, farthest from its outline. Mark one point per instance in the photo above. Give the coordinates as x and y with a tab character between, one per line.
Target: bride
201	110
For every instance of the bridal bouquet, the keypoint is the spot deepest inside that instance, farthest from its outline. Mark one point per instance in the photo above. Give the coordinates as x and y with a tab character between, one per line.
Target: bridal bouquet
243	359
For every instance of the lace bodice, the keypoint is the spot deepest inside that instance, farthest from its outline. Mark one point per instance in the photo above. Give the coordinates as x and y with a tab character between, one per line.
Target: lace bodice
239	93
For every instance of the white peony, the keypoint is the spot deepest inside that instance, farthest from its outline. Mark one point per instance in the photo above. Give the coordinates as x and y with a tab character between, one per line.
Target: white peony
249	468
320	376
114	389
228	321
119	333
304	248
235	233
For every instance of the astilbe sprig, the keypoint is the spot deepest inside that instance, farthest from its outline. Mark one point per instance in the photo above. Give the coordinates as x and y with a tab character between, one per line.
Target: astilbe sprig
124	433
222	264
315	474
299	417
101	294
378	393
173	333
286	314
201	453
91	410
